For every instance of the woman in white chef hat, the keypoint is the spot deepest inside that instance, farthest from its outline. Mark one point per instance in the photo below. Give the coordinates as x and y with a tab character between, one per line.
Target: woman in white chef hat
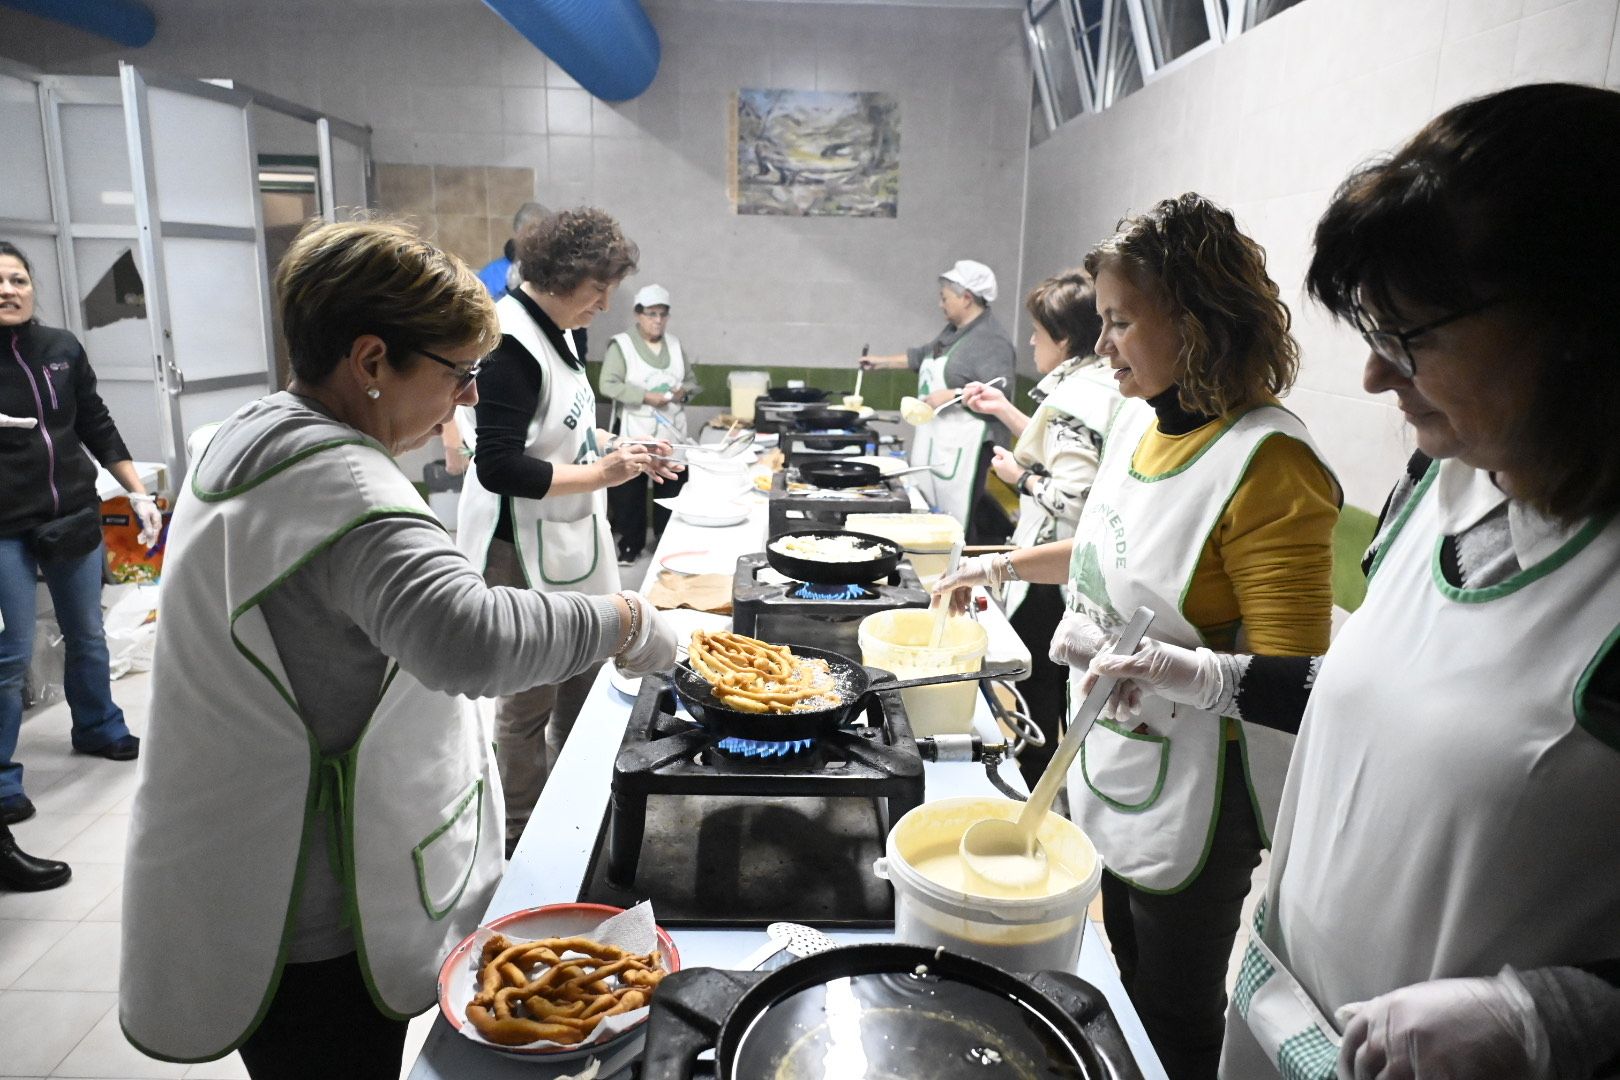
649	377
318	820
1444	893
972	347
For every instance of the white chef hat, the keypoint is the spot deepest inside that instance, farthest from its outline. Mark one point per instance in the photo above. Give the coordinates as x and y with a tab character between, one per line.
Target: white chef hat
652	295
975	277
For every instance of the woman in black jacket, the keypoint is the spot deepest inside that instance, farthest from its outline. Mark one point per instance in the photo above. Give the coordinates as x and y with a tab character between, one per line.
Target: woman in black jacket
50	524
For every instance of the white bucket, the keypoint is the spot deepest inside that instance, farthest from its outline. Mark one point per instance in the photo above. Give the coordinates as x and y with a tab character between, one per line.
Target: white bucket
898	640
1038	933
711	476
746	386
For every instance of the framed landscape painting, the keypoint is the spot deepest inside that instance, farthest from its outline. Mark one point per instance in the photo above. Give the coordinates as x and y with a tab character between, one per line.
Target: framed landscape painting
803	153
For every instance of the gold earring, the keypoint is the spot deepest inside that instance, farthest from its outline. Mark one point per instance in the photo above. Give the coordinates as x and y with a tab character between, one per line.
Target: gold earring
373	393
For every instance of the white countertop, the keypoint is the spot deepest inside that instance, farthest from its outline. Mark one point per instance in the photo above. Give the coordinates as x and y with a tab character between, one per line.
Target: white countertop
551	860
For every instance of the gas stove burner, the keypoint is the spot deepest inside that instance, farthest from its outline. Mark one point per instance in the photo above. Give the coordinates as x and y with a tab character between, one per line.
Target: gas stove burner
760	749
810	591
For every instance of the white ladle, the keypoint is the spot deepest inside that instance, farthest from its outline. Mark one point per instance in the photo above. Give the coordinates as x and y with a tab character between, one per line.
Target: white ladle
796	938
919	412
1005	854
941	602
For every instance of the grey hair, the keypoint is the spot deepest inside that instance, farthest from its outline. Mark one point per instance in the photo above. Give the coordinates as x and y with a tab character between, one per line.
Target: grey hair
527	213
963	290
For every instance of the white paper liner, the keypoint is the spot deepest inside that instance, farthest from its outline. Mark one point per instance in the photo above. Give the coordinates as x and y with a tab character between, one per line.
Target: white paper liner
634	931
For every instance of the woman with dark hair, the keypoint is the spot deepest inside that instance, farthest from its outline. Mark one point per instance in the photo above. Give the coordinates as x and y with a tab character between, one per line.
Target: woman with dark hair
1051	467
50	524
1211	507
315	827
533	510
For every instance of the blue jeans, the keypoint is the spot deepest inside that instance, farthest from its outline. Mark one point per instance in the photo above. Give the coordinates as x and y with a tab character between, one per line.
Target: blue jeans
75	586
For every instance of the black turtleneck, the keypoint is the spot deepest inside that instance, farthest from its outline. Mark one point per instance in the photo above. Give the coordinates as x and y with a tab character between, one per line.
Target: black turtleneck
1173	418
509	392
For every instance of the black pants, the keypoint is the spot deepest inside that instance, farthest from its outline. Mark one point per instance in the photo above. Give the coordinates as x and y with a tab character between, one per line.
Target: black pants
1173	951
987	522
627	509
1046	691
323	1023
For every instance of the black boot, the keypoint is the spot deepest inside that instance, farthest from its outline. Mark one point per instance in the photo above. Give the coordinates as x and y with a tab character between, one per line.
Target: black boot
21	872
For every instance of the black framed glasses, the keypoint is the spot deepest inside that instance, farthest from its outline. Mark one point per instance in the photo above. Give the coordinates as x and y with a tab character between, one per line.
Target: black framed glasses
464	375
1394	347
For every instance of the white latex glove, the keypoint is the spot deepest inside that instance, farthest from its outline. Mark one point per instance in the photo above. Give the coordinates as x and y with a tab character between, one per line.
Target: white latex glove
973	570
653	647
17	421
1076	640
150	516
1190	676
1446	1029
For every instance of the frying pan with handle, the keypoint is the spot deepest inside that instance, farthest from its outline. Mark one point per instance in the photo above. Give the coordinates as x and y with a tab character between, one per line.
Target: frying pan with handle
840	474
885	556
852	680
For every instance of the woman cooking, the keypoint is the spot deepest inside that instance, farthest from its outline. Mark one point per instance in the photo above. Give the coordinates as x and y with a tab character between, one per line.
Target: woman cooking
971	348
1212	508
1052	468
1445	889
649	377
533	512
316	824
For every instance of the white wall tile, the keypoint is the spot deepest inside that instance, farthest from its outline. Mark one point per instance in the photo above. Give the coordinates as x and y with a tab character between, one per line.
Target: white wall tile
523	110
568	112
1613	78
1569	43
1465	18
1474	65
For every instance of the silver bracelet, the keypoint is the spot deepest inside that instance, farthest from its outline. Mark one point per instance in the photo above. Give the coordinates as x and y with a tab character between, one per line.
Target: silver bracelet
1007	565
635	626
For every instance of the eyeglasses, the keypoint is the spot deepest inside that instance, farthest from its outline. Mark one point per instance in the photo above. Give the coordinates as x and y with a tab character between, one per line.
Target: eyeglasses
1395	346
464	375
655	314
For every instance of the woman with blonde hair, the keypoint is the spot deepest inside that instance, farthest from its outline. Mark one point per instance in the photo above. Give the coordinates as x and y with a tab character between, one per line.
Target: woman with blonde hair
318	821
1213	509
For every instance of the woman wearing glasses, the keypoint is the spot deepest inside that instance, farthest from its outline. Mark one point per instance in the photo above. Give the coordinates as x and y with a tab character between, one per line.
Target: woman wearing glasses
533	509
315	825
1211	507
1444	895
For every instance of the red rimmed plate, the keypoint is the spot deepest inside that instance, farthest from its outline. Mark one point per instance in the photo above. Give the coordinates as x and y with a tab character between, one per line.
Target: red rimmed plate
553	920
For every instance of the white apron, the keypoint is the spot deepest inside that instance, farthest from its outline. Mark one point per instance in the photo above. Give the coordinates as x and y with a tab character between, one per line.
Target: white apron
1447	811
1148	800
636	421
563	541
1083	389
950	445
231	779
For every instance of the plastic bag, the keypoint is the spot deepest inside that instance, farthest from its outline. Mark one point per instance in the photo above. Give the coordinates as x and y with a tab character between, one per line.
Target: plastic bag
131	627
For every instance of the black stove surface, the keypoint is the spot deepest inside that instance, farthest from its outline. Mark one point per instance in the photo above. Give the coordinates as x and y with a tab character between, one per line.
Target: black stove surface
781	611
692	1005
721	839
791	509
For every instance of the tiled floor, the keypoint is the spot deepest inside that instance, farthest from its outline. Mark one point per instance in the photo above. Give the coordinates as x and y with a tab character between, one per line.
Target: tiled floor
59	949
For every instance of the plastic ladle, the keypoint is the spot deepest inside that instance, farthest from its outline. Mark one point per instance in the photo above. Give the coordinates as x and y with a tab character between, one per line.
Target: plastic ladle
940	603
1005	854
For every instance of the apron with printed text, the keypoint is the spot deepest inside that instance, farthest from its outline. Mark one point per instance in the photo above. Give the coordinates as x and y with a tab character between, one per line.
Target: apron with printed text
232	780
636	421
563	541
1146	791
1451	807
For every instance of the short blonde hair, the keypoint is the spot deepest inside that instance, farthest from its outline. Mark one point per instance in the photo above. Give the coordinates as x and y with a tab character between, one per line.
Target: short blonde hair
1189	254
344	279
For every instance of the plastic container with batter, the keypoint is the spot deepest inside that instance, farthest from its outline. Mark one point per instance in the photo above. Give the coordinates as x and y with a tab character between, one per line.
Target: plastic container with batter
898	641
936	904
926	538
746	386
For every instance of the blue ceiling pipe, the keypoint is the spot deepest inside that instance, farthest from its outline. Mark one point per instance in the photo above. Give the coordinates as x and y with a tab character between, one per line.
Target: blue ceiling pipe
607	46
128	22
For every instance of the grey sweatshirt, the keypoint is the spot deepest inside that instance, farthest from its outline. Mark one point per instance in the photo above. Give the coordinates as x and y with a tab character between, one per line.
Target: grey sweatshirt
395	588
980	351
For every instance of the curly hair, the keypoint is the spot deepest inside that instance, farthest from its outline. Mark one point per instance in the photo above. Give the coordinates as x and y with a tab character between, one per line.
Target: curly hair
1510	199
344	279
560	252
1189	254
1065	306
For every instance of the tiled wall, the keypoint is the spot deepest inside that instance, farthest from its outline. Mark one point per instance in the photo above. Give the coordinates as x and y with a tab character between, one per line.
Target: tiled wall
1270	124
466	209
446	82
